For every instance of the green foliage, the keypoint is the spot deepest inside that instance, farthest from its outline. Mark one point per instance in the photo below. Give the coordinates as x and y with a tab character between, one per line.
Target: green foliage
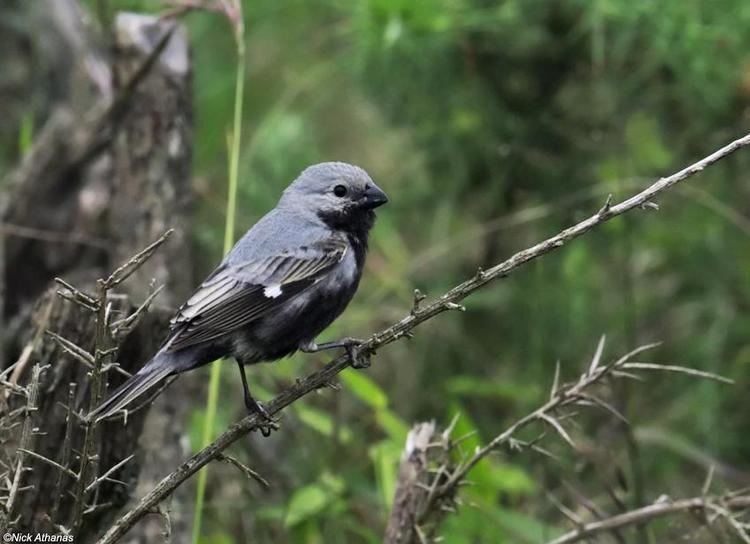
306	503
321	422
25	133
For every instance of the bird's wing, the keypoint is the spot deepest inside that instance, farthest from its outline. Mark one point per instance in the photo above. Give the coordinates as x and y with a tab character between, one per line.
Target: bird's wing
237	294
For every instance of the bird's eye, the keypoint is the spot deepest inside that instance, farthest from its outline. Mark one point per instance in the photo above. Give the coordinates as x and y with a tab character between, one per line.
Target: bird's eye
339	191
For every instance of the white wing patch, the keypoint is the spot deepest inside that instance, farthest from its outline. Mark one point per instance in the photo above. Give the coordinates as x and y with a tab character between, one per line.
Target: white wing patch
272	291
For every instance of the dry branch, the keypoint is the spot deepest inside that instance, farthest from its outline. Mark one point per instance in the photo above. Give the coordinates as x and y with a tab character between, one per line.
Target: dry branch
722	507
561	396
425	492
25	445
417	316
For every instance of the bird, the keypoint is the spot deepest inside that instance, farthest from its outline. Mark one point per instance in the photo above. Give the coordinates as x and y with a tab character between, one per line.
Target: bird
284	282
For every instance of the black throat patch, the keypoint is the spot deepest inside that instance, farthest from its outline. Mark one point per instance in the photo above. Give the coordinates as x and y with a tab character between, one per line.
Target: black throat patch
356	224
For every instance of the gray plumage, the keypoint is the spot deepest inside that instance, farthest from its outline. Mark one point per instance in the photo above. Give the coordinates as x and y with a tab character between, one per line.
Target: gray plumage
284	281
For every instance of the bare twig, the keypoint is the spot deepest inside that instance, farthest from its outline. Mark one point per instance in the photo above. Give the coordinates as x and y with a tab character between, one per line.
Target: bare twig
658	509
33	344
73	349
105	477
679	369
25	445
67	446
123	327
400	329
167	532
135	262
48	461
76	295
90	460
246	470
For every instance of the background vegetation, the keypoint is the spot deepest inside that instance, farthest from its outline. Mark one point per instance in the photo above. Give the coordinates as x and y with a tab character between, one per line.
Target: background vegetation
490	125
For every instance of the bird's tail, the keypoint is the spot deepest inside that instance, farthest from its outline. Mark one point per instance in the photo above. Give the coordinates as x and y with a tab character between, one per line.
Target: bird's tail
152	372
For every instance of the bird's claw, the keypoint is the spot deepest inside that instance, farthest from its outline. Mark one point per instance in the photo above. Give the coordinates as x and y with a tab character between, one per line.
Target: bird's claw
267	428
358	359
267	424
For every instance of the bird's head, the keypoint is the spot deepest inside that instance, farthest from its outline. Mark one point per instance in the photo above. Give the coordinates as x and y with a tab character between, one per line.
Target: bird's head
336	192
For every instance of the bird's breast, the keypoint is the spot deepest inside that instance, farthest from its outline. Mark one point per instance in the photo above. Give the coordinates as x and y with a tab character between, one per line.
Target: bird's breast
305	316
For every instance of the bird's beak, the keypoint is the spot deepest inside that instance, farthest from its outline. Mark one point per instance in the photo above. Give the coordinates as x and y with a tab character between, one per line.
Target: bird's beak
373	197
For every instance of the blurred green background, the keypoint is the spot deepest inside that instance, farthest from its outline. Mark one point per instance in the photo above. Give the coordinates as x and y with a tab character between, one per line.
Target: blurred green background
491	125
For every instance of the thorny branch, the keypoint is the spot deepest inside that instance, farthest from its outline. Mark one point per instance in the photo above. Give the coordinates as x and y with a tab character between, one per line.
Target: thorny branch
416	317
25	445
567	395
86	477
715	507
443	487
66	448
86	480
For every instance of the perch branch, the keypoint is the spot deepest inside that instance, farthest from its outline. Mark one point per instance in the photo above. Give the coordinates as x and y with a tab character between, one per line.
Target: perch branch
417	316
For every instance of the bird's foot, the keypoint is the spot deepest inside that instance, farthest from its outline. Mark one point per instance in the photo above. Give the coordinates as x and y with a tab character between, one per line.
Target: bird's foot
267	424
358	358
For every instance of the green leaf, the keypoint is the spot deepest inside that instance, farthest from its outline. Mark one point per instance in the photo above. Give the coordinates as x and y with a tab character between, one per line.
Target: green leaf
385	457
489	523
364	388
480	474
197	424
507	390
489	476
321	421
217	538
306	503
393	425
646	144
270	512
26	132
522	528
509	479
335	484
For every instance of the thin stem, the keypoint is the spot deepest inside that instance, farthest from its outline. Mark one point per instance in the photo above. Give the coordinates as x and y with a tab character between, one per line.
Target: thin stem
234	162
90	458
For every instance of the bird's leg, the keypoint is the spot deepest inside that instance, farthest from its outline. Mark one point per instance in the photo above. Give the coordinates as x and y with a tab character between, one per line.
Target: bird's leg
351	345
255	407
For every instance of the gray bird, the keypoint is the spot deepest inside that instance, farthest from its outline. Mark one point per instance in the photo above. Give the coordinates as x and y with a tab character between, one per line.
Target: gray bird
288	278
